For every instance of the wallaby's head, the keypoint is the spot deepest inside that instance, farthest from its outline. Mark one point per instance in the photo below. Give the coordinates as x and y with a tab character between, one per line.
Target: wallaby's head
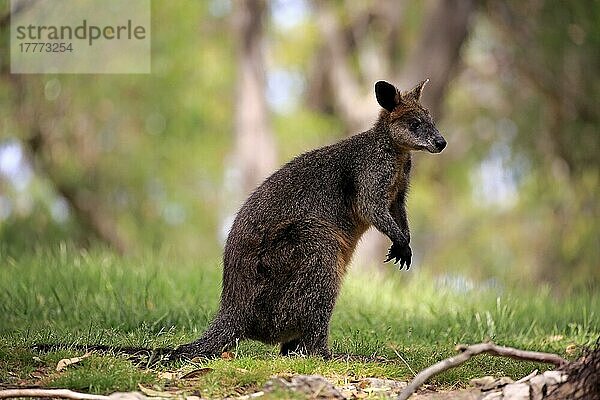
410	124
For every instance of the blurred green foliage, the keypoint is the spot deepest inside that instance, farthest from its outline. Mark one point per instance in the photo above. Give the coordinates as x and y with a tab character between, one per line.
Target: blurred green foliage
514	197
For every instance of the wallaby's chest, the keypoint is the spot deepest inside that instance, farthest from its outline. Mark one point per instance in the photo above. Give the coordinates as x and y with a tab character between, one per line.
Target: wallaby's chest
401	176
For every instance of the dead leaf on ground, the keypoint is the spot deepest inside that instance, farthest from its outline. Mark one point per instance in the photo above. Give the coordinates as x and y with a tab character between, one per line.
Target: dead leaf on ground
65	362
196	373
167	375
363	384
227	355
571	349
38	374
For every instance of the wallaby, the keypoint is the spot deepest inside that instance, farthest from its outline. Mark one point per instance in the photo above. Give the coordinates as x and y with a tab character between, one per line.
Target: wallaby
289	246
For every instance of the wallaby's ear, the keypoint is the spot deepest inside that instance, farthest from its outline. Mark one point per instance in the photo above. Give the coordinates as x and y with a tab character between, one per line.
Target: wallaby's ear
415	93
387	95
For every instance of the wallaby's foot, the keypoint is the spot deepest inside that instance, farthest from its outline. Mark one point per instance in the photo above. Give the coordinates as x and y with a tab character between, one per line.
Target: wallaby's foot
324	353
400	252
290	348
298	347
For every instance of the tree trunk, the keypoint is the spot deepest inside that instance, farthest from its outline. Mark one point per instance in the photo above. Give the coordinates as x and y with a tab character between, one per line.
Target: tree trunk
254	154
437	52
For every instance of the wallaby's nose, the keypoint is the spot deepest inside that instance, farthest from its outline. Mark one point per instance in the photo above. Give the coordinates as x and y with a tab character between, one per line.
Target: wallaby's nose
440	143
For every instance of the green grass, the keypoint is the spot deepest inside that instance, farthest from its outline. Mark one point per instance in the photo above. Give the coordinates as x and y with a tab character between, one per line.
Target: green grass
77	298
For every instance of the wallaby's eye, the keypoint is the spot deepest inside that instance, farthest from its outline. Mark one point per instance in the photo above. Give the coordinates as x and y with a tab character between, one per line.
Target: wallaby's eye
414	123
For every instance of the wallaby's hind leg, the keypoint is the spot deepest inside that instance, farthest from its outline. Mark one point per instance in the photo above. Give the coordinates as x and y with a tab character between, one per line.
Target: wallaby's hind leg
288	348
219	337
314	338
312	292
313	343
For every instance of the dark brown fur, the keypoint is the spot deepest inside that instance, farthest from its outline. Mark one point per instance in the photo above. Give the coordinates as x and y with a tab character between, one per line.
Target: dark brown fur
290	244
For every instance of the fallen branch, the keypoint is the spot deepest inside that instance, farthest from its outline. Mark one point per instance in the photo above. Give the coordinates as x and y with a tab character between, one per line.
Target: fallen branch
466	352
67	394
51	393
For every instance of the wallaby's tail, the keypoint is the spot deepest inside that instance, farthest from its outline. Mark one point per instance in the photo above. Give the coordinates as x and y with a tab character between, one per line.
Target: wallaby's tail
147	355
221	335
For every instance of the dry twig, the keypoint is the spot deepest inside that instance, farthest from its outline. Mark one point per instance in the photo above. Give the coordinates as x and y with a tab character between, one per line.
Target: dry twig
68	394
50	393
466	352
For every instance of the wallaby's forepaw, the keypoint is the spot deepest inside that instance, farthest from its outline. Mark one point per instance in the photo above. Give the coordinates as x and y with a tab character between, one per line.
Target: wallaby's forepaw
400	253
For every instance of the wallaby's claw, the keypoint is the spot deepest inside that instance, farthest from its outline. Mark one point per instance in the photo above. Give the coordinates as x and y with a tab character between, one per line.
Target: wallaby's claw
390	258
400	253
391	255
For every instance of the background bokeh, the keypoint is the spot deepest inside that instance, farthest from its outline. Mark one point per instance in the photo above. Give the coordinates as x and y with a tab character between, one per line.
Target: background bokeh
159	163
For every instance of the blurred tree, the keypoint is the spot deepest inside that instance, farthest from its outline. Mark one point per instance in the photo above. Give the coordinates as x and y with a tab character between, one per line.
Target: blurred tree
42	144
254	155
138	160
38	143
521	177
371	33
555	51
134	160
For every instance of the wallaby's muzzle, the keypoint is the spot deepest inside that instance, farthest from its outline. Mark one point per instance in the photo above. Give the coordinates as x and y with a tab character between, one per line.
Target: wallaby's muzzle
436	142
439	143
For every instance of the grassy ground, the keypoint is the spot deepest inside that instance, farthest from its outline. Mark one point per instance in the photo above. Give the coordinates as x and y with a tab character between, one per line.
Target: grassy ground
410	320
